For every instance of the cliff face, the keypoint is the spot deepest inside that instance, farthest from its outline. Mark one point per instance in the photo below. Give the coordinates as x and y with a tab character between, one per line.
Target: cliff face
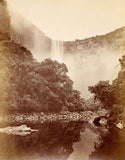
11	54
113	41
88	60
27	85
93	59
29	36
4	21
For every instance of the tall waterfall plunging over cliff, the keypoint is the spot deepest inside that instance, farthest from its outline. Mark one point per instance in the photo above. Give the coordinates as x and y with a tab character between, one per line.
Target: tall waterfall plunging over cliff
57	50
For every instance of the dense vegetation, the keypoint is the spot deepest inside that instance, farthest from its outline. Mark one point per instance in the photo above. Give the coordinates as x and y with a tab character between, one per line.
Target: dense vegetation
112	96
34	86
27	85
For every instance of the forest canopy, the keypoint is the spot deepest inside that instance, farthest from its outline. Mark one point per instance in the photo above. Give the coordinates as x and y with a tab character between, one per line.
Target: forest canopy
112	96
33	86
45	87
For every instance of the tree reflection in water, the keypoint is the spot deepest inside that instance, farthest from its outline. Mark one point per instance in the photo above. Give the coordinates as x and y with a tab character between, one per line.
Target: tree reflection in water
112	146
52	141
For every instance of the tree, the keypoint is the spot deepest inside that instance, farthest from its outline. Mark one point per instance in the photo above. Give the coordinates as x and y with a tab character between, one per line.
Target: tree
105	92
113	98
34	86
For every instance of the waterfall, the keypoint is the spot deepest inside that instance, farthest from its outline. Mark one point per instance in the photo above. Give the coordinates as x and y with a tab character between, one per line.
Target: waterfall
57	50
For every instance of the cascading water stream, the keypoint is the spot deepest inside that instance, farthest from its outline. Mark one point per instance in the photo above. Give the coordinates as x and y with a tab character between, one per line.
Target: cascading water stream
57	50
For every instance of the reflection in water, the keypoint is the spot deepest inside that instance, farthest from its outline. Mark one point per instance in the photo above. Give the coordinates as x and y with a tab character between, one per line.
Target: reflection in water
74	140
112	146
51	141
83	149
17	130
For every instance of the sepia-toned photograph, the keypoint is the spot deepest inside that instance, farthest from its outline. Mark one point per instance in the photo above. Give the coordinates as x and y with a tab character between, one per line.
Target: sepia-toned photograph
62	79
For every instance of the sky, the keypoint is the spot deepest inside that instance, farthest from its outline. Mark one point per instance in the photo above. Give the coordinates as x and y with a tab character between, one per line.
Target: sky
72	19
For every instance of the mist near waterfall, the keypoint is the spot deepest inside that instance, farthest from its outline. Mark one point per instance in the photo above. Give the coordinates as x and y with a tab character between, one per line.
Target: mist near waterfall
88	69
29	36
85	69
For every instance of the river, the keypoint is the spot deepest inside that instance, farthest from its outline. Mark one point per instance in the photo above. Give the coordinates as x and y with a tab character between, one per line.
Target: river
49	140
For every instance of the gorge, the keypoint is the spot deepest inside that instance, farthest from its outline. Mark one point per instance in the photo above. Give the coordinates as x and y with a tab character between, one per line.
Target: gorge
42	115
80	56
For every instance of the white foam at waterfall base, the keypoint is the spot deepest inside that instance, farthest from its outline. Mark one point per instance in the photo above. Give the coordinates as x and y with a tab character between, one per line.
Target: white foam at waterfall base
57	50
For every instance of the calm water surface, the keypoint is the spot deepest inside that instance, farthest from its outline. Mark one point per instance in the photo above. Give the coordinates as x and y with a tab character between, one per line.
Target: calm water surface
72	140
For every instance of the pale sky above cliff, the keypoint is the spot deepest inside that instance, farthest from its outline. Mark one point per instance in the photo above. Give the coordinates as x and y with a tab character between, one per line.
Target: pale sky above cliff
72	19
